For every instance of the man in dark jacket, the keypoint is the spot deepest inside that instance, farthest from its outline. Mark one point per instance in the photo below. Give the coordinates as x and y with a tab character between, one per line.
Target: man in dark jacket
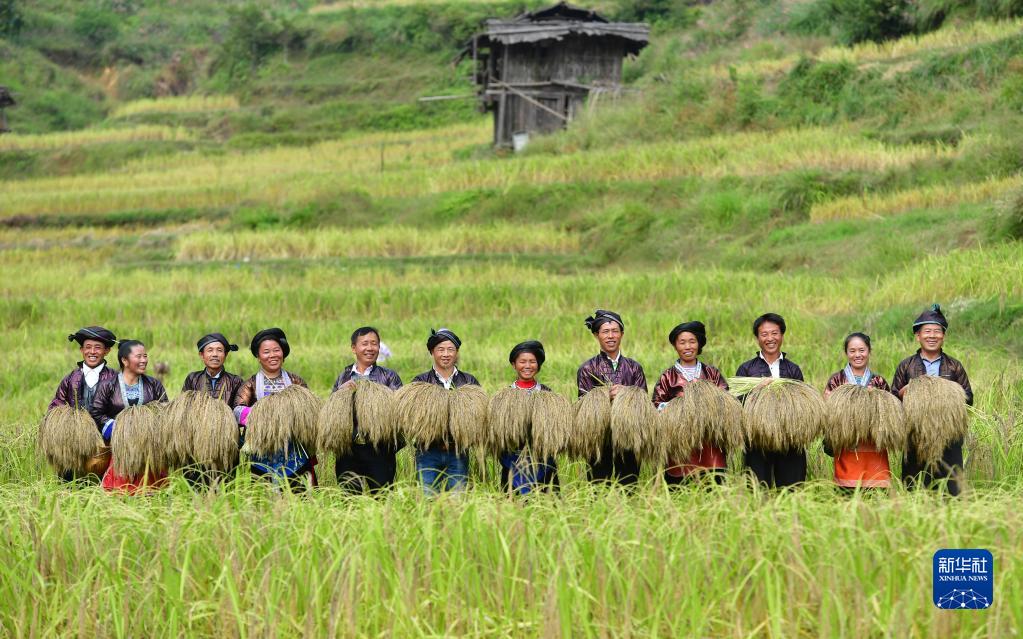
930	359
368	467
213	379
773	468
79	386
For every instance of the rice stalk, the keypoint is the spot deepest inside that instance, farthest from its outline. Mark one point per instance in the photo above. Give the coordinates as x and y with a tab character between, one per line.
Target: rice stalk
305	413
681	434
551	424
178	427
137	443
373	413
715	414
782	415
337	421
509	416
936	415
68	437
421	412
857	414
467	417
634	425
214	434
592	424
269	427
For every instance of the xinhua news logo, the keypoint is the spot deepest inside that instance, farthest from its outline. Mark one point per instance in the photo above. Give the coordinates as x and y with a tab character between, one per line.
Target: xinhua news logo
964	579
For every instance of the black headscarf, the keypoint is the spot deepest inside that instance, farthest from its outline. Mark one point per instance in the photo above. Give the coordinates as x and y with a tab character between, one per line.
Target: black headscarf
97	333
206	340
532	346
933	315
442	335
601	317
696	328
274	334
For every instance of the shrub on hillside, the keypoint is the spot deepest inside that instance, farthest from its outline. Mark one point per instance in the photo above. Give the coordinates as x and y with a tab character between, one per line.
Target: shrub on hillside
11	21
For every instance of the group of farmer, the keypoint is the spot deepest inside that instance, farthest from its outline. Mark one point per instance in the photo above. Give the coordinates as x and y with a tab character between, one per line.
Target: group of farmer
104	392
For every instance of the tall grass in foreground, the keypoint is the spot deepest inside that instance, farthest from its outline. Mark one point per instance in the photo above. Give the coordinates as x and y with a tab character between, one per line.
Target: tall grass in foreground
726	562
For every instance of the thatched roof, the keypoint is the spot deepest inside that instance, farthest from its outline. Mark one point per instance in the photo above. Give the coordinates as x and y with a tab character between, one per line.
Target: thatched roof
560	21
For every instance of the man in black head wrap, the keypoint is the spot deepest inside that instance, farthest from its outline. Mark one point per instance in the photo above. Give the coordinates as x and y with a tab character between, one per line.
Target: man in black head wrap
79	386
438	467
213	379
610	368
931	359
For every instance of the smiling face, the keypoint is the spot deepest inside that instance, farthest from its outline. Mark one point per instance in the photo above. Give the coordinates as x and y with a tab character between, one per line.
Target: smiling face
366	350
687	347
445	356
770	339
136	361
858	354
93	352
931	338
526	366
609	336
271	357
213	356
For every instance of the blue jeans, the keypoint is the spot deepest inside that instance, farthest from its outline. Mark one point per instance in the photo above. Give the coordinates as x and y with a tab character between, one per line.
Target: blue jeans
442	470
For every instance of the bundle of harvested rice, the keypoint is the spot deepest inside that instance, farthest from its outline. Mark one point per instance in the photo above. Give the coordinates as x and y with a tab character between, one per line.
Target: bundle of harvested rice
214	434
936	415
305	411
509	415
179	421
279	419
857	415
68	438
592	424
551	424
374	412
336	421
715	413
782	414
138	442
681	433
467	417
634	425
421	411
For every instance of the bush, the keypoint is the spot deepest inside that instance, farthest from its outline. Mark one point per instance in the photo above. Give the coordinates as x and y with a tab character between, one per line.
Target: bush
11	21
95	25
253	35
874	20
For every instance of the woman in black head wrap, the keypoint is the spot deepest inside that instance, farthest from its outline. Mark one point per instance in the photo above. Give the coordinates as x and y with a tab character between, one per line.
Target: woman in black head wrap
688	340
519	473
270	346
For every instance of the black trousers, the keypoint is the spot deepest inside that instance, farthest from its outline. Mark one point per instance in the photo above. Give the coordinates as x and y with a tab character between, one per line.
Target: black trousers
777	469
623	467
366	469
915	472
